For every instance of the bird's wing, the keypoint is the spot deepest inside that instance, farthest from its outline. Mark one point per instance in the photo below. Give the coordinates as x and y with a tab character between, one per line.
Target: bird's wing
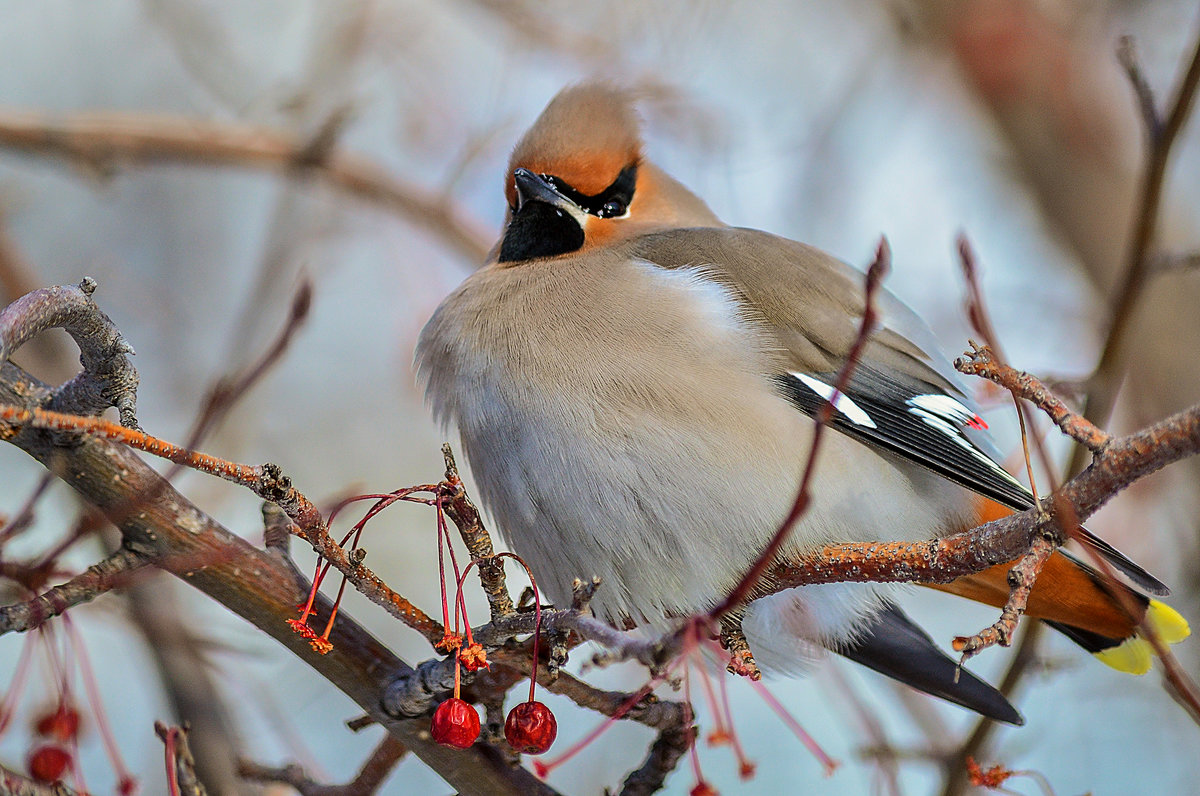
904	397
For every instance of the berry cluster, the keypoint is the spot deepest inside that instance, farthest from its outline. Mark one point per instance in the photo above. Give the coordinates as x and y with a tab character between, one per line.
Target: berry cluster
530	728
48	761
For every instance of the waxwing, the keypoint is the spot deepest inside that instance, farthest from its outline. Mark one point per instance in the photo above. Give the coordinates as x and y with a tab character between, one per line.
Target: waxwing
634	384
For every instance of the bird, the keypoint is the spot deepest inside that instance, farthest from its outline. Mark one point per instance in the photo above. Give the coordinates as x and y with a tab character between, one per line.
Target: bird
634	384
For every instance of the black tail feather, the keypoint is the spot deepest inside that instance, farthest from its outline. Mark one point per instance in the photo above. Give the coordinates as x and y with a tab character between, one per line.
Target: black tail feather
894	646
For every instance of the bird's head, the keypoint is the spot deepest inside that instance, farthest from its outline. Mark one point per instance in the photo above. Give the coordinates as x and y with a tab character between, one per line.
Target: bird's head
578	179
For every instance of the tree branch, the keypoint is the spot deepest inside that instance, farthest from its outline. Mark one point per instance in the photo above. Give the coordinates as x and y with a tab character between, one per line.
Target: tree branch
1138	260
108	377
370	777
266	481
253	584
105	141
84	587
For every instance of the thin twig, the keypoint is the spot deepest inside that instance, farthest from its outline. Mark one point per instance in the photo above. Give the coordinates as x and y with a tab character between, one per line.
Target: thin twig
226	392
751	579
1021	579
980	361
1128	58
181	766
24	516
366	782
1138	259
465	516
741	657
110	140
981	321
665	753
266	481
97	579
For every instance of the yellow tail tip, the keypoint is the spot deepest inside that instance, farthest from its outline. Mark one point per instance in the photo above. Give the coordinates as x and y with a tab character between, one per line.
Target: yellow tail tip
1167	622
1134	654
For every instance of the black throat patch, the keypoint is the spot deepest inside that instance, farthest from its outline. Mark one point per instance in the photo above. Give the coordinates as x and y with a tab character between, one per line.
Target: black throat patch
540	229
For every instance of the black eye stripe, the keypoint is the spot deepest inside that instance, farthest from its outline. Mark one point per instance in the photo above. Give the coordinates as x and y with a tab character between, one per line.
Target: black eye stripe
620	192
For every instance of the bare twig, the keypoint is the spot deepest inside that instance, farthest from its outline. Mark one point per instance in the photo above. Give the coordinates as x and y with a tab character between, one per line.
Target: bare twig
1021	578
226	392
24	516
664	755
1177	262
106	141
463	513
980	361
741	657
982	323
253	584
1138	259
266	481
108	377
181	766
1128	58
84	587
367	782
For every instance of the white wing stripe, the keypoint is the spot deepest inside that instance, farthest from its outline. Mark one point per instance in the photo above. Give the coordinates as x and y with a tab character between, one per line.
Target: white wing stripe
850	410
946	407
940	416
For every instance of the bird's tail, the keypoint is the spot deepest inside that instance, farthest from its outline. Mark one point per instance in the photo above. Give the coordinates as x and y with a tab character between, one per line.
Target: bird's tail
1109	620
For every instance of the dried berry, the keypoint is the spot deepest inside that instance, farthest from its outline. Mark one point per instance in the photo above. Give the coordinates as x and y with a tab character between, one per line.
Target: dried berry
61	725
48	763
455	723
531	728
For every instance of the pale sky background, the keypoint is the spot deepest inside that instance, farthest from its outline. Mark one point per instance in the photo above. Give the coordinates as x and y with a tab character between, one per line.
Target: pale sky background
831	122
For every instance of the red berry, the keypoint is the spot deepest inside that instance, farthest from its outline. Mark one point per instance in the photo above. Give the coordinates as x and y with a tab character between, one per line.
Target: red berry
455	723
48	763
531	728
61	725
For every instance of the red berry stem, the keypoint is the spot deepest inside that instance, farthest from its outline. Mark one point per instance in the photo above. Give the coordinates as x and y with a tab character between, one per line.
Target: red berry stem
460	604
111	748
537	616
8	707
441	530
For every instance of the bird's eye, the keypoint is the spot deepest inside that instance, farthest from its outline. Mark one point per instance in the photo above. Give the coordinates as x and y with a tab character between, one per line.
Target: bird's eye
612	209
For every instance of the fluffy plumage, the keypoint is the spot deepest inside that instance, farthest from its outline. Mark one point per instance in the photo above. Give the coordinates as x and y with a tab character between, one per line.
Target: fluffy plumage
629	375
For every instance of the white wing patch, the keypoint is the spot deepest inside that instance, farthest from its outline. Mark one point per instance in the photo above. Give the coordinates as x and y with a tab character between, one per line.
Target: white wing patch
945	407
948	415
844	405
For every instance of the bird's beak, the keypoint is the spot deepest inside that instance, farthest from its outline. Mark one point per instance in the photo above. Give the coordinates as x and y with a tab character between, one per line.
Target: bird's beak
535	188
